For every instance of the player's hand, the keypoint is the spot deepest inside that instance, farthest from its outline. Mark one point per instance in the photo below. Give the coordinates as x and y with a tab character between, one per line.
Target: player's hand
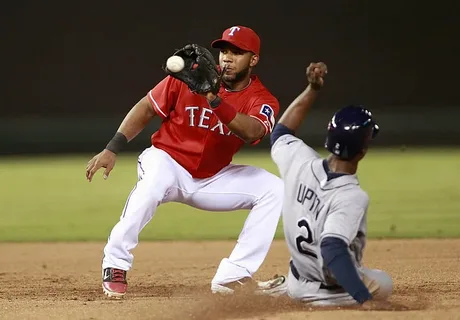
209	96
105	159
200	72
371	285
315	74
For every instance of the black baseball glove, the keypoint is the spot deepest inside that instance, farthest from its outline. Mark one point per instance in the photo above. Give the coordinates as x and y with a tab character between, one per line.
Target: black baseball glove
200	71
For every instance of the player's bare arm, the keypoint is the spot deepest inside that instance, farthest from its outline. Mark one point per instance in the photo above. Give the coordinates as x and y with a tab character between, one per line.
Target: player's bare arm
299	107
247	128
133	123
244	126
137	119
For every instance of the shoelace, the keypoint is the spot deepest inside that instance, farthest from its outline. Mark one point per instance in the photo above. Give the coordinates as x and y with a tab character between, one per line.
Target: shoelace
118	275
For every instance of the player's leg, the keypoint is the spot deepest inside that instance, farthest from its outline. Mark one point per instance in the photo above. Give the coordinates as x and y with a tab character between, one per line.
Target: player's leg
243	187
378	282
311	292
157	175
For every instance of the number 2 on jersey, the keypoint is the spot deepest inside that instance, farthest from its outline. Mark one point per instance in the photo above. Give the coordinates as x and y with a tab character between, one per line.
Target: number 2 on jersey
309	239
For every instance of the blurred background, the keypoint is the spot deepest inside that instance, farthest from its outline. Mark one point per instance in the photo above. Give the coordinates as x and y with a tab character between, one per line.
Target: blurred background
71	71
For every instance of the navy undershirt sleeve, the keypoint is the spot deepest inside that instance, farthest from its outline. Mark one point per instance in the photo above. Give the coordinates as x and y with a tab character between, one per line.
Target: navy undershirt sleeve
278	131
338	260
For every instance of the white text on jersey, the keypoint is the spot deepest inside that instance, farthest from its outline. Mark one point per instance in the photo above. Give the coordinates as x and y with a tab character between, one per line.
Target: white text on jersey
203	120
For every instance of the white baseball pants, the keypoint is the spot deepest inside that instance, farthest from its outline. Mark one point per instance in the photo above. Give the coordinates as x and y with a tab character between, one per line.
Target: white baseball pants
162	180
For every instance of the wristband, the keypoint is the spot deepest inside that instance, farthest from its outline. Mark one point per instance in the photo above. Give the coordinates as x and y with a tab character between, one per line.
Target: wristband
118	142
216	102
224	111
315	86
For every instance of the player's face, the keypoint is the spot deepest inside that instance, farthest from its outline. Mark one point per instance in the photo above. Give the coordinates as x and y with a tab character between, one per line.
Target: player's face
238	63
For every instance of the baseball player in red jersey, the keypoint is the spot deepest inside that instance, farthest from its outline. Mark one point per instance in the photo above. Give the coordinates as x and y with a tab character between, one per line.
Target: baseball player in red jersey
190	162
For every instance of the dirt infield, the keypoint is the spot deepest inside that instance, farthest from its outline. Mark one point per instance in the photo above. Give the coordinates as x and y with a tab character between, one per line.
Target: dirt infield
170	280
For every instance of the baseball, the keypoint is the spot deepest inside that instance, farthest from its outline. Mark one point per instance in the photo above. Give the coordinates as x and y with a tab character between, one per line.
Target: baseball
175	63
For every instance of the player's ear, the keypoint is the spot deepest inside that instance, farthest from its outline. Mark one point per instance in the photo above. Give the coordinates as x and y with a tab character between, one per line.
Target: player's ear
254	60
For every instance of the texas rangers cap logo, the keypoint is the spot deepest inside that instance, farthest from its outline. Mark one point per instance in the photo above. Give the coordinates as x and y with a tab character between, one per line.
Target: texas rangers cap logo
233	29
267	111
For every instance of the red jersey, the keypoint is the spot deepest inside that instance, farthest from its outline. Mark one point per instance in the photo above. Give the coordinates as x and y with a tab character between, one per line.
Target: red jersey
193	135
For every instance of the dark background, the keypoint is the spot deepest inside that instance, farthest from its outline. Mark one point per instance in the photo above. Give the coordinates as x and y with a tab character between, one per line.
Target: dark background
72	70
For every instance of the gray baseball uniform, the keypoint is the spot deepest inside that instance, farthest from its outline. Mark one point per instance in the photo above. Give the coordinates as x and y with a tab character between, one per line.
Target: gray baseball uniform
319	204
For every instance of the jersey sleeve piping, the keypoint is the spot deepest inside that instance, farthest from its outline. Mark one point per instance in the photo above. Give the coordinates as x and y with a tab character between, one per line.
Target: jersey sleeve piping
156	106
265	126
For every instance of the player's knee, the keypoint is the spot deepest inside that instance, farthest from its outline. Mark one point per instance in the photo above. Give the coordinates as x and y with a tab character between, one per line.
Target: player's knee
153	189
276	189
269	189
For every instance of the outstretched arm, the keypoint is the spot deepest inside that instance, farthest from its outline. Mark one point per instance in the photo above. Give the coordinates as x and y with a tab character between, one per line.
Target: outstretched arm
247	128
298	109
292	118
244	126
137	119
133	123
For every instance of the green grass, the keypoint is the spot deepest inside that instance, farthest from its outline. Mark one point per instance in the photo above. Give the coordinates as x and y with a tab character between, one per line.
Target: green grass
414	193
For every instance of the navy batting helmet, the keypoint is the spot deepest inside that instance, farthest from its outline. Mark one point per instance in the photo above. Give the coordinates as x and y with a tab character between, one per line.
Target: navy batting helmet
349	131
